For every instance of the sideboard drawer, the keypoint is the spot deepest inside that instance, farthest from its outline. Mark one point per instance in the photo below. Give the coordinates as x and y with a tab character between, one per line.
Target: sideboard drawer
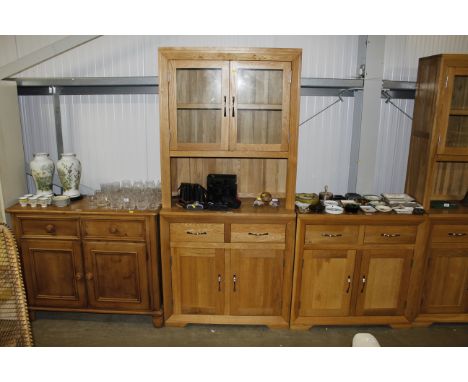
449	234
404	234
256	233
213	233
49	227
113	228
331	234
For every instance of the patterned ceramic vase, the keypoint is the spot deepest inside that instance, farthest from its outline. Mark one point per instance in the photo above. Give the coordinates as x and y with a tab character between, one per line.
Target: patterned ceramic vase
42	170
69	171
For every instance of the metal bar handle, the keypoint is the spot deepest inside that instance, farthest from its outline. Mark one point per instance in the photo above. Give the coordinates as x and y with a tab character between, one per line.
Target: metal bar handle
234	279
456	234
349	284
225	98
332	234
196	233
258	233
219	283
233	102
363	283
390	234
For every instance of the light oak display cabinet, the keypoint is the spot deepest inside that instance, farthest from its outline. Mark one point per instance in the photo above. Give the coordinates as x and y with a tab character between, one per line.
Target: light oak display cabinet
89	260
438	171
229	111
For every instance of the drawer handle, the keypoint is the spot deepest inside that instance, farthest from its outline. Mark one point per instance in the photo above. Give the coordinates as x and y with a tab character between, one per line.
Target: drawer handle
332	234
113	229
78	276
390	234
456	234
50	228
258	233
196	233
89	276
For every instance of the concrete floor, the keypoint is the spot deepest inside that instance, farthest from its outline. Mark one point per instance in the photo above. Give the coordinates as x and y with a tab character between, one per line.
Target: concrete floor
77	329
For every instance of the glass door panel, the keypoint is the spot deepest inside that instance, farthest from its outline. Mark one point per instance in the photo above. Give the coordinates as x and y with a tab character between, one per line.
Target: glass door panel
260	106
455	137
199	118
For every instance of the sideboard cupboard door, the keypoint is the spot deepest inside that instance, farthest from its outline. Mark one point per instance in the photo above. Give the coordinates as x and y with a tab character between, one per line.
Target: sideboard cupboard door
383	281
447	281
260	96
256	282
54	273
327	279
199	105
116	275
198	280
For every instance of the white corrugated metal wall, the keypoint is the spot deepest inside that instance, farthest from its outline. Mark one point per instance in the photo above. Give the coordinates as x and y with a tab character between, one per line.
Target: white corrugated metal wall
117	137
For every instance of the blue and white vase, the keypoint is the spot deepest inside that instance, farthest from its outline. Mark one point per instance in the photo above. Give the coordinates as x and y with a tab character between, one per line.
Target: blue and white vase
42	170
69	172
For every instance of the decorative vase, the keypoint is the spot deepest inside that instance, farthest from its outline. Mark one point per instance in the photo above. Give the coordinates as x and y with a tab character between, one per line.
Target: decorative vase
69	172
42	170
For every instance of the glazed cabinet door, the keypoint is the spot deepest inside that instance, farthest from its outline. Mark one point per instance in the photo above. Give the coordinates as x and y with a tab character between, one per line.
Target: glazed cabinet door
198	280
383	281
54	273
454	127
326	278
256	282
446	284
199	109
116	275
260	93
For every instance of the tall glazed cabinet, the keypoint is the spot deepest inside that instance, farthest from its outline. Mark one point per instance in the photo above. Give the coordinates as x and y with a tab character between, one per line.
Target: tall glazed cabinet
229	111
438	171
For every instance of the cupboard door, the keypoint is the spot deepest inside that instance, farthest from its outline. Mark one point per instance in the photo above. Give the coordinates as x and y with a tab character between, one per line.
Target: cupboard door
454	129
260	93
198	280
256	282
199	109
116	275
326	282
447	281
54	273
383	281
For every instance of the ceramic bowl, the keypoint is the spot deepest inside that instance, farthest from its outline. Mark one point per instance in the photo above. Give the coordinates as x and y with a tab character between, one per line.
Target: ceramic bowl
23	201
61	200
33	201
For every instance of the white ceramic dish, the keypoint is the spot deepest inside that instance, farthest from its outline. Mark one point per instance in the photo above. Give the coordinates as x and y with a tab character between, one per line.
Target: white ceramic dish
371	198
334	210
61	201
382	208
368	209
330	203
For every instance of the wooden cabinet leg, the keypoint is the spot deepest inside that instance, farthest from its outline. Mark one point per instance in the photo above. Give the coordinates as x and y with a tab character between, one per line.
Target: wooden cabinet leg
401	326
32	315
421	324
158	321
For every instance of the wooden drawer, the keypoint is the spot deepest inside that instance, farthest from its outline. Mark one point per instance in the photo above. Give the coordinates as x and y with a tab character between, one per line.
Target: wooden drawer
113	228
213	233
449	234
49	227
331	234
383	234
256	233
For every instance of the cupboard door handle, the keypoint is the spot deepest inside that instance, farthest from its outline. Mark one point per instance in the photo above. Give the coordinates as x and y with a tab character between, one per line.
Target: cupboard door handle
258	233
349	284
113	229
456	234
233	101
219	283
196	233
390	234
225	99
234	279
363	283
89	276
78	276
50	228
332	234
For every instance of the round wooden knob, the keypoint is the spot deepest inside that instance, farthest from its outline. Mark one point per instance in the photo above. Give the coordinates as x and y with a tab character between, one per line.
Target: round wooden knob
113	229
78	276
50	228
89	276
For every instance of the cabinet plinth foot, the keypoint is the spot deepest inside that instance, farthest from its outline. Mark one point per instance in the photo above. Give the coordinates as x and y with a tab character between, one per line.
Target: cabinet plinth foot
401	326
421	324
158	321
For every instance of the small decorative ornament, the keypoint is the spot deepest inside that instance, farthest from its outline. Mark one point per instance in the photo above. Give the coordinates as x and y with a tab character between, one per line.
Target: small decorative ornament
69	171
42	170
265	197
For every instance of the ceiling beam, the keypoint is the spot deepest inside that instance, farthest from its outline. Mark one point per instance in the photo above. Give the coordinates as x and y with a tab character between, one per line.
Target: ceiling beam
43	54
